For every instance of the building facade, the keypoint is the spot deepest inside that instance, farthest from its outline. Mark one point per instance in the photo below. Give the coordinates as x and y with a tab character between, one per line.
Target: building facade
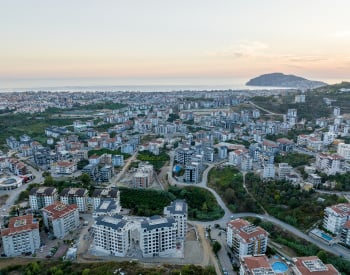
76	196
245	238
21	236
60	219
40	197
178	210
335	217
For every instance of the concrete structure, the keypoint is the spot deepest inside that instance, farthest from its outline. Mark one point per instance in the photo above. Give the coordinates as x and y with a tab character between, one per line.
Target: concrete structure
183	155
330	164
178	210
60	218
158	236
245	238
192	173
269	171
63	167
10	183
100	194
283	170
143	177
112	234
335	217
21	236
312	265
77	196
344	150
40	197
345	233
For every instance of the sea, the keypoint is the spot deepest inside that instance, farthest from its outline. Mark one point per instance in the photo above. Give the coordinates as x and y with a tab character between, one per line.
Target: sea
102	85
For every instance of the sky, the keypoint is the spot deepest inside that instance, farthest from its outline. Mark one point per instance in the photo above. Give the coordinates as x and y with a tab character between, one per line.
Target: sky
171	42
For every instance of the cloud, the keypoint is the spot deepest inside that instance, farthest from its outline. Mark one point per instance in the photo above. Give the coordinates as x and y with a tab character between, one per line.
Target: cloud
244	49
307	59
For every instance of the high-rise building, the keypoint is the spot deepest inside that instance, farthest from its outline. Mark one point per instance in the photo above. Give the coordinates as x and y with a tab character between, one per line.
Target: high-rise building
40	197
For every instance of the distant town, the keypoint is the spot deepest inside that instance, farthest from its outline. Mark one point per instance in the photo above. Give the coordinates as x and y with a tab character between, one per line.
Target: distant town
233	182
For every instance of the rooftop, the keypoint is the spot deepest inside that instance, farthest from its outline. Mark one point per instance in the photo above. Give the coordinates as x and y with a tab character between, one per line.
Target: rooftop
20	224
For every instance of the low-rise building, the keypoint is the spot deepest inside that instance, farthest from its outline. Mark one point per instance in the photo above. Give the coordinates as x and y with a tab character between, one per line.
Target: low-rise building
60	219
255	265
312	265
108	207
77	196
40	197
143	177
21	236
63	167
245	238
335	217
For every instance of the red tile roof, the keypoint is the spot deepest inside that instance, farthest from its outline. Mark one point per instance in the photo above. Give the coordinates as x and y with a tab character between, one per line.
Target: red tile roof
59	210
20	224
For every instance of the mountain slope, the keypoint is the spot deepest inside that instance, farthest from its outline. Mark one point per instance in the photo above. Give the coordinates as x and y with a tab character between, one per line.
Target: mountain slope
283	80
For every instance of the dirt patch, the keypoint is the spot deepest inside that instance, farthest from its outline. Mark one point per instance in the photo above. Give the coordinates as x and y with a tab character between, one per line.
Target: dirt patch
3	199
5	262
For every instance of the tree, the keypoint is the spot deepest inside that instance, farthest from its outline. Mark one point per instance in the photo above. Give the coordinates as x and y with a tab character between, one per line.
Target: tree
48	181
216	247
85	181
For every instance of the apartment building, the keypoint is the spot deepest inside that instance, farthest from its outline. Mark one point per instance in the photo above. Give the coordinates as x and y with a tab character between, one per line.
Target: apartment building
158	236
335	217
100	194
245	238
192	172
112	234
312	265
258	264
178	210
60	218
77	196
40	197
63	167
330	164
143	177
344	150
345	233
21	236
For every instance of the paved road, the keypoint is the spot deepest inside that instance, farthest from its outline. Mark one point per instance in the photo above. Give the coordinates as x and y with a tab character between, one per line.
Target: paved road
335	249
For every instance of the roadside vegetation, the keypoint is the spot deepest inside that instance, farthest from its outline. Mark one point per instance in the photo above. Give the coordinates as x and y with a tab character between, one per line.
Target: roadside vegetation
289	202
302	247
202	204
294	159
102	151
157	161
101	268
228	183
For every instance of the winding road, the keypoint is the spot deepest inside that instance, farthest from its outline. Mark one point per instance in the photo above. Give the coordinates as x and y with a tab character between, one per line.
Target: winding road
335	249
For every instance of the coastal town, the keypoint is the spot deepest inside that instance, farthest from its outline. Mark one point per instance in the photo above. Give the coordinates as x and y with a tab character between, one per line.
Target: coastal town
189	177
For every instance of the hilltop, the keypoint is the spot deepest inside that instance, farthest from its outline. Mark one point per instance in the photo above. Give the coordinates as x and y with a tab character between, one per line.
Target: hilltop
283	80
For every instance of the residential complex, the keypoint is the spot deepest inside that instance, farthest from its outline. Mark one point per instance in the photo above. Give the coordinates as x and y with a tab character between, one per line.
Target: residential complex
112	234
40	197
245	238
158	236
335	217
60	219
76	196
21	236
108	193
312	265
178	210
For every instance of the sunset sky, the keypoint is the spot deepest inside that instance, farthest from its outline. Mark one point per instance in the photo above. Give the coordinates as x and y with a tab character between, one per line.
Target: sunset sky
172	42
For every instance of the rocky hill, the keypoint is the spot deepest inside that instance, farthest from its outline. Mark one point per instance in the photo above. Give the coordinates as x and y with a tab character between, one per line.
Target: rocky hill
283	80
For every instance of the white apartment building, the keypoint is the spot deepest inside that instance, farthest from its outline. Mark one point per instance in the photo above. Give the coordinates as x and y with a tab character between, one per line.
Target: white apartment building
112	234
335	217
40	197
178	210
21	236
107	193
312	265
60	218
158	236
268	171
245	238
63	167
284	170
344	150
330	164
77	196
345	233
